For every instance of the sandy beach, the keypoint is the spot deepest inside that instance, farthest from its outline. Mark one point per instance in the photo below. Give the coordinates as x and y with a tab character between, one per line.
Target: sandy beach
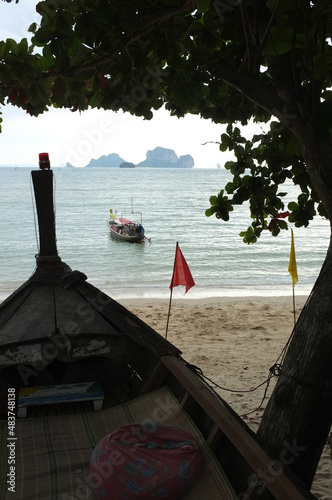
234	341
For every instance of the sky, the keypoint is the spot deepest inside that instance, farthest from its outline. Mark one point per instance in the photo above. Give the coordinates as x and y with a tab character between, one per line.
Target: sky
76	138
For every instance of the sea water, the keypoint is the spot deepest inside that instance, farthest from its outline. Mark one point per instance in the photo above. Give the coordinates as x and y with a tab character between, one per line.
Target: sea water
172	203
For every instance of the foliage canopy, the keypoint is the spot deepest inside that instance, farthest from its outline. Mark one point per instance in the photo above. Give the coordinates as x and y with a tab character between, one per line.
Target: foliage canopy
226	60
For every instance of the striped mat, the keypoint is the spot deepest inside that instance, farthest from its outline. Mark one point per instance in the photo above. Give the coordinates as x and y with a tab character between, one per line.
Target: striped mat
53	453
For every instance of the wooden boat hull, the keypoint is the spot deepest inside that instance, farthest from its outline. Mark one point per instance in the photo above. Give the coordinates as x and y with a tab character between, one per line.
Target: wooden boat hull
118	232
58	329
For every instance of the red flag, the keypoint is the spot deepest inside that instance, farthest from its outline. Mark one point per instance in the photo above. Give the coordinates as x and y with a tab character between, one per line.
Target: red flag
181	272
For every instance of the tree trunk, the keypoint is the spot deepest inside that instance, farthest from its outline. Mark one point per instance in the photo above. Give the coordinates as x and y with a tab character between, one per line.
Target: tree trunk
298	416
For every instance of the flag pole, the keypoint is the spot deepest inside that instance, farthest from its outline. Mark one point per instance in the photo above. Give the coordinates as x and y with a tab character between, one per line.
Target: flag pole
171	287
294	305
292	269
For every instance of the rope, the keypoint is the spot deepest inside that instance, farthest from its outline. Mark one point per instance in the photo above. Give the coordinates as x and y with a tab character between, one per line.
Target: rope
274	371
272	374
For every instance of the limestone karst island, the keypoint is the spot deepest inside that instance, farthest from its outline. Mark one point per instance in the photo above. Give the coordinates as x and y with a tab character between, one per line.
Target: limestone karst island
156	158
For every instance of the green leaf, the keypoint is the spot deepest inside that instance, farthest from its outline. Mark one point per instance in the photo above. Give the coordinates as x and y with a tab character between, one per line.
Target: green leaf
11	46
203	5
210	211
280	40
322	64
23	48
220	206
293	206
94	102
33	28
249	236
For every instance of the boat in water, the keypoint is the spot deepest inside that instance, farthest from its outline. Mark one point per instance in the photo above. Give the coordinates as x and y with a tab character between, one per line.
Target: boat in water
125	229
100	405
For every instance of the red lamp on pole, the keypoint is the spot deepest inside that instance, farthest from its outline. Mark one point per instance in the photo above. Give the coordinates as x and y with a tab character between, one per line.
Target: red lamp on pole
44	161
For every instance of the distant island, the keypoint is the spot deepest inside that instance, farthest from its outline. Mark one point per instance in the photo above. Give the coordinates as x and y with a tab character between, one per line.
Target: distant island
112	160
127	164
166	158
156	158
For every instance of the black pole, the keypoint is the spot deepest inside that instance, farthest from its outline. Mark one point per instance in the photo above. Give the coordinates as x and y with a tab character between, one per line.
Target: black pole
43	189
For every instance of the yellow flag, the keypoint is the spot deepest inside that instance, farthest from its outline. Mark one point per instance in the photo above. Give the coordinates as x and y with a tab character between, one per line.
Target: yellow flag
292	268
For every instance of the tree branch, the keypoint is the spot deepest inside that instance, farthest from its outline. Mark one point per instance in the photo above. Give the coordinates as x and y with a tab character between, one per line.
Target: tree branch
258	93
163	14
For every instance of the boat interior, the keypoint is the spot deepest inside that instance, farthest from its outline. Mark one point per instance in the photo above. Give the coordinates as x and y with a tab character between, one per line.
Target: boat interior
78	334
58	331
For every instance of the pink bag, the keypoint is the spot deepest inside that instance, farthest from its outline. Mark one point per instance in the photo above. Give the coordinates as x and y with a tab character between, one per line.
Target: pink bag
143	461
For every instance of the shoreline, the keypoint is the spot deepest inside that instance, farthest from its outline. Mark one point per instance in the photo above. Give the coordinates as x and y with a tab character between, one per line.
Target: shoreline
198	292
300	300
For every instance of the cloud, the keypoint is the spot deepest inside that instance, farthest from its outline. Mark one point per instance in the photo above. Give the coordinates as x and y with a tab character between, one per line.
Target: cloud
76	138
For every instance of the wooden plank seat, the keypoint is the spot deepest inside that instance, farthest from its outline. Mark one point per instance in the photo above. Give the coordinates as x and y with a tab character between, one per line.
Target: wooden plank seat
59	394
